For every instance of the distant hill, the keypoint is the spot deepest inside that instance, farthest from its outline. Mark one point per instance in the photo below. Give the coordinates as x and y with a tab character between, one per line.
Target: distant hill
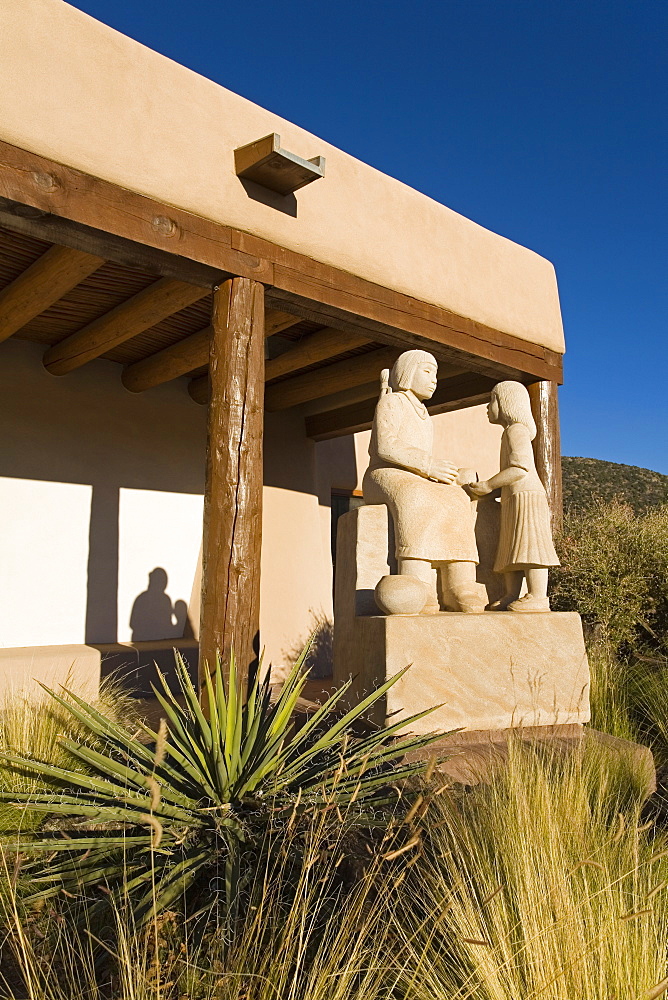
586	478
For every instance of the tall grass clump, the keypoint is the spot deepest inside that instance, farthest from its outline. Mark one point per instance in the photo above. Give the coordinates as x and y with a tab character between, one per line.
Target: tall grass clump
35	725
544	883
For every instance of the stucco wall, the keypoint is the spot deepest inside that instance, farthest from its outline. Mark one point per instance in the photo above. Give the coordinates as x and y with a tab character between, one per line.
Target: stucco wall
96	100
98	487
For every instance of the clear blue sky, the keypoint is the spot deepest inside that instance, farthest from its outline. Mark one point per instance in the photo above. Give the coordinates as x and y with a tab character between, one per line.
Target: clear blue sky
543	121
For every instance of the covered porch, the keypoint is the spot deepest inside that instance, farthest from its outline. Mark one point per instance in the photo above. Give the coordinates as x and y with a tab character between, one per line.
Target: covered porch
89	271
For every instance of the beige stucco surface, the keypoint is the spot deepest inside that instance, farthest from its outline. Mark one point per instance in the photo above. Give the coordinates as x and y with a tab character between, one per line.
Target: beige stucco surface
74	90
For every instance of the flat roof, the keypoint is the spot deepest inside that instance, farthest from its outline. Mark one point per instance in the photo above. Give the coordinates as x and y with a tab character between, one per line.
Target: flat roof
78	92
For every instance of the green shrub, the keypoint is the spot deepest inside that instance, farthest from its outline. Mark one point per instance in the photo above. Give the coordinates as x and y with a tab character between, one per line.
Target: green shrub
157	820
615	574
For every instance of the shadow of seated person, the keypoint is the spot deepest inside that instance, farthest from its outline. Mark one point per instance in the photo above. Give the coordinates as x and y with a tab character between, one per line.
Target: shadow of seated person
153	616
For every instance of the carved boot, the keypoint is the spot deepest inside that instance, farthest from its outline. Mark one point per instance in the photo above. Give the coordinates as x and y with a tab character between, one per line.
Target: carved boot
468	603
530	604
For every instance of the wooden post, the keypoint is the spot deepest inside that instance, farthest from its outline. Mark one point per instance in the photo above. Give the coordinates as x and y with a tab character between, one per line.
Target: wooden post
547	444
233	499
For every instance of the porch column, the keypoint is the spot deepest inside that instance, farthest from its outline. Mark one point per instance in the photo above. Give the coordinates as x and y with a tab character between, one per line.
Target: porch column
547	444
230	613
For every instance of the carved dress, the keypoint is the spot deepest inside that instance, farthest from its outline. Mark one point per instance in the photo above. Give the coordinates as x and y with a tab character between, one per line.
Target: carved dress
526	536
432	521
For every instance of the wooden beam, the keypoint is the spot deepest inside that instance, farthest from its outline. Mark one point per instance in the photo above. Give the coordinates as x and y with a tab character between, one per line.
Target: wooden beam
199	389
276	321
319	346
233	493
352	376
485	350
188	354
128	319
318	290
49	197
547	445
358	394
323	381
177	359
52	275
453	393
45	194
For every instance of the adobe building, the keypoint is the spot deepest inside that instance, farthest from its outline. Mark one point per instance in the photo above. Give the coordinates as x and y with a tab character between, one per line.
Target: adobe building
196	298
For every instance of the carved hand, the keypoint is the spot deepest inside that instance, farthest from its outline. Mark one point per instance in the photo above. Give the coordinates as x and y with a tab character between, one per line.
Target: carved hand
443	472
478	489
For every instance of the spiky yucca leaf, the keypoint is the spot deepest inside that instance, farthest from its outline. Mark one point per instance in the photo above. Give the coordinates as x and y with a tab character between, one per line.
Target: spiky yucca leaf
146	821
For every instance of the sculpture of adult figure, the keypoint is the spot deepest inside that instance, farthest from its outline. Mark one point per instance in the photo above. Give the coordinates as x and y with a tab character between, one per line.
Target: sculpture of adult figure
433	520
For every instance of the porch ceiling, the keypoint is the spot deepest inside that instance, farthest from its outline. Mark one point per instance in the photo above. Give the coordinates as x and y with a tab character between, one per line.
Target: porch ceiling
82	307
91	270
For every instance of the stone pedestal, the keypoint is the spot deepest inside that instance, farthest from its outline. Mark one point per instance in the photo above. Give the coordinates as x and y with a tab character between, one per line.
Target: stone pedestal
490	672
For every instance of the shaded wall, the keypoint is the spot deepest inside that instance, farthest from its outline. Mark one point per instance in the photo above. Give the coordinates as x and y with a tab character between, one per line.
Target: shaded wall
99	487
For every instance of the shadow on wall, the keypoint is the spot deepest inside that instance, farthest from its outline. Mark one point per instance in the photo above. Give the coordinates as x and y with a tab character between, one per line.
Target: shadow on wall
320	659
160	626
153	615
88	429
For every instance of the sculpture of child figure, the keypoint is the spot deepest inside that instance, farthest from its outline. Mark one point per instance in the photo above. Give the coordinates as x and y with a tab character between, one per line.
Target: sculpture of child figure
526	549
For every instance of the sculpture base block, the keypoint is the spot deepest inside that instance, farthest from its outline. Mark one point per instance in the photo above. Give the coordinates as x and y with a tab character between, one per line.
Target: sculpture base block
492	671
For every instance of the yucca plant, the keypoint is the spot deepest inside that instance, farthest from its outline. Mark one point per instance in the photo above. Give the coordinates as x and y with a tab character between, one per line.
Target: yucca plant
147	819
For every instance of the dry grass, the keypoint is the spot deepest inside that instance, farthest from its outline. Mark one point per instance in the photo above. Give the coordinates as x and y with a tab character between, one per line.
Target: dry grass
545	884
31	726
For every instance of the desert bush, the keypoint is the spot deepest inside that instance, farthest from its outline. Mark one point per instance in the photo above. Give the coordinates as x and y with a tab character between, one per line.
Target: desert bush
159	819
615	574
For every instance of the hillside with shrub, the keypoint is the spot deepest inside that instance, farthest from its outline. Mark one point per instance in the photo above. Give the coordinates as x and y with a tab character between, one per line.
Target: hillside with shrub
586	479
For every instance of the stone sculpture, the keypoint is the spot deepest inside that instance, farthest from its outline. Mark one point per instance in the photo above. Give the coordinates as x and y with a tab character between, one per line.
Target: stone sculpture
526	549
431	513
488	673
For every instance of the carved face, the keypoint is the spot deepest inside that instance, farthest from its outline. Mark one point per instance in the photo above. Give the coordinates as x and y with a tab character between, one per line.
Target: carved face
493	414
424	380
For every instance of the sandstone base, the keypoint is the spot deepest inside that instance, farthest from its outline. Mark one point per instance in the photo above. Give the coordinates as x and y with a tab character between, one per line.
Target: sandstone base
493	671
